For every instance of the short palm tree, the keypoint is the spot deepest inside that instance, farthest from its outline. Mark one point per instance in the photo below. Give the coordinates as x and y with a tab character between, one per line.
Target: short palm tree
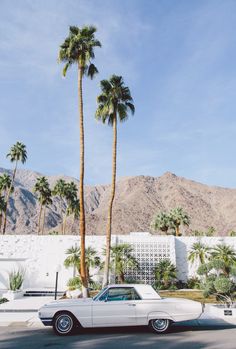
161	221
41	188
18	153
78	48
74	259
178	217
165	273
114	104
199	252
225	254
122	259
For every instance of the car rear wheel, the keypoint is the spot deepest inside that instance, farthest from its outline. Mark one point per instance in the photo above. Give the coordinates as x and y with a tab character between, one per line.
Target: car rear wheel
159	325
64	324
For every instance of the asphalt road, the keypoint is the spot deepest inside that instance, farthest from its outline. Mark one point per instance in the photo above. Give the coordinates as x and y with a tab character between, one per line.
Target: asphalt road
15	337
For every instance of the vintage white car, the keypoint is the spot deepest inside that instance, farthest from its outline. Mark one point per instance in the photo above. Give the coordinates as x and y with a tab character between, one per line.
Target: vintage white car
119	305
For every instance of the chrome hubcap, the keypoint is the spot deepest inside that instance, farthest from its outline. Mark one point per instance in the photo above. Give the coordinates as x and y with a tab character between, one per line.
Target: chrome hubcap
64	323
160	324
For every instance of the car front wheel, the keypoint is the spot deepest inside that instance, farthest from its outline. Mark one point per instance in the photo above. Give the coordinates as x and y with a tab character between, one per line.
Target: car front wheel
64	324
159	325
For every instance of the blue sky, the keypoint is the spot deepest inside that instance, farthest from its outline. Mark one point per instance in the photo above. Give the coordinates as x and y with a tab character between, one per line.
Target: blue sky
177	57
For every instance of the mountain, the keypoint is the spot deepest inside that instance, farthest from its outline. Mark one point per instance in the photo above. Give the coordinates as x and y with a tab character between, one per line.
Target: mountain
137	200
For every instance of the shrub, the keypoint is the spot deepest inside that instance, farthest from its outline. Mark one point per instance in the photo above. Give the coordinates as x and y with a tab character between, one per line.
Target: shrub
54	232
165	274
16	279
223	285
74	283
193	282
3	300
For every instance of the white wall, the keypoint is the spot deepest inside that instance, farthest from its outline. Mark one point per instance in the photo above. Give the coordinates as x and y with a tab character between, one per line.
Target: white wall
39	255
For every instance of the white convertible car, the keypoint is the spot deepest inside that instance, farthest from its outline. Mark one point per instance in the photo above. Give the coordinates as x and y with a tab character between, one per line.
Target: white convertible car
119	305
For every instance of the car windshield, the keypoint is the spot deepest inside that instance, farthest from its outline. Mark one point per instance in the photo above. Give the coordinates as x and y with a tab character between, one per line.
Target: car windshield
99	294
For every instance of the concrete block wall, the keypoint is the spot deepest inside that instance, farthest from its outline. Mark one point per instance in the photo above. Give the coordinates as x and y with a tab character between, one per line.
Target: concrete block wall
40	255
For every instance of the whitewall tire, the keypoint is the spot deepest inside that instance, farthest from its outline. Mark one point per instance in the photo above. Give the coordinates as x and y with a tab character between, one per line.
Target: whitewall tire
159	325
64	324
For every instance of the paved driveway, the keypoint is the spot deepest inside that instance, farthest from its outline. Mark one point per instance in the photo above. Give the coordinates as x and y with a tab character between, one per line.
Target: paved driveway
188	337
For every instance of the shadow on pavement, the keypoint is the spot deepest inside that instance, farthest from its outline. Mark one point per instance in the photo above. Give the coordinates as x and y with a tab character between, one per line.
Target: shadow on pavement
114	338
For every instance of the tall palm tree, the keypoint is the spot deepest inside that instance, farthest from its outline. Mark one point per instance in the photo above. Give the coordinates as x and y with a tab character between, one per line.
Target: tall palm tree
225	254
47	200
41	188
73	209
78	48
122	259
74	259
161	221
165	272
179	217
70	197
199	252
114	104
2	208
60	191
18	153
5	185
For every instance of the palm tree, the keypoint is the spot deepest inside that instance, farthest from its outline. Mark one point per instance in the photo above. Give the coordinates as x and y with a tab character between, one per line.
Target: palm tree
73	209
74	259
17	153
78	48
225	254
114	103
179	217
43	191
199	252
2	208
60	191
71	198
165	272
47	200
5	185
122	259
161	222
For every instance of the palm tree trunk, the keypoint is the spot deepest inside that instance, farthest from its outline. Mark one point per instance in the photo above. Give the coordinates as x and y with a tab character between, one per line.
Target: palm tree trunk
177	230
39	219
81	187
0	221
121	278
8	197
64	225
43	223
113	189
62	219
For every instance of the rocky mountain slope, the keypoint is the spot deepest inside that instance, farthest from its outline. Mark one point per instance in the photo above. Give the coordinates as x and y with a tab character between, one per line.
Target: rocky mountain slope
137	200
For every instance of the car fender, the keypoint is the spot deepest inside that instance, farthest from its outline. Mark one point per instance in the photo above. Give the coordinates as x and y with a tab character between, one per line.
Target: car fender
159	315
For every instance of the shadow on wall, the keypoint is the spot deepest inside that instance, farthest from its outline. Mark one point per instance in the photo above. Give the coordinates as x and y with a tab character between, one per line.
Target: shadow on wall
3	280
181	260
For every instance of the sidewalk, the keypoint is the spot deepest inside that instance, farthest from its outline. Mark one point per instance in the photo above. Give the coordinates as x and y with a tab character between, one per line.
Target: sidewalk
24	312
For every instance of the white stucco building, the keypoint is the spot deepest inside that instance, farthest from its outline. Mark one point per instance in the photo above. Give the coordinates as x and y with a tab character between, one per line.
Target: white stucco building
40	255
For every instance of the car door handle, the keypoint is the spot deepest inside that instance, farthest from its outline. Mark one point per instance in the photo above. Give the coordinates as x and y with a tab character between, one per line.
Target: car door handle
132	305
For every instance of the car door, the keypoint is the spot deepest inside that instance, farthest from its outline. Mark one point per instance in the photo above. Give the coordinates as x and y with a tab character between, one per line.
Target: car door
115	307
